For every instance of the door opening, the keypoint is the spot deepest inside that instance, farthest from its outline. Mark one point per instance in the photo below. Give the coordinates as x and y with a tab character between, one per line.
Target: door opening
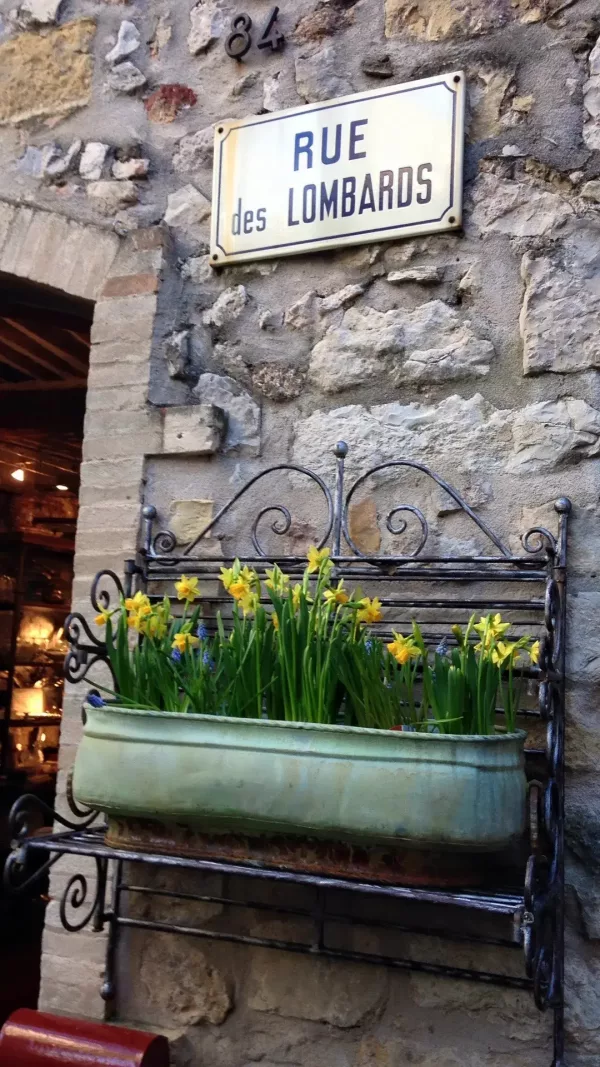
44	358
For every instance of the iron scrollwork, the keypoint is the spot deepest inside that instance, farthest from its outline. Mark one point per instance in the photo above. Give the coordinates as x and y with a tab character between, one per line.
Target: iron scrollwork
75	895
85	649
162	544
20	875
401	527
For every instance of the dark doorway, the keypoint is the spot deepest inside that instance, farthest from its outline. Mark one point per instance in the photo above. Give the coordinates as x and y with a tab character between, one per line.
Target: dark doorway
44	357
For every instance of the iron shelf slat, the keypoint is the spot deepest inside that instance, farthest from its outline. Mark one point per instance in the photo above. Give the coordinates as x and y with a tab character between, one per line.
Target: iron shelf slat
91	843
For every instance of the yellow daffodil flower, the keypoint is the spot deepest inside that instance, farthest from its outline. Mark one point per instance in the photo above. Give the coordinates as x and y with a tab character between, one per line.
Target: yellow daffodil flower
370	610
316	556
228	577
139	607
534	653
183	641
403	649
460	637
492	626
337	595
505	650
297	597
153	626
239	589
187	589
277	580
275	620
248	575
138	602
103	617
249	602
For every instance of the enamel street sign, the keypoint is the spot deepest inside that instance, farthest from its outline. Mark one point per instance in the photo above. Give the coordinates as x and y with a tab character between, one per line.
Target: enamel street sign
370	167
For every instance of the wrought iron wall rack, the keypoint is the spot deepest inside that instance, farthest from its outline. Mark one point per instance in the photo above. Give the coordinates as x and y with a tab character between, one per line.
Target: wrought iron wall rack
529	916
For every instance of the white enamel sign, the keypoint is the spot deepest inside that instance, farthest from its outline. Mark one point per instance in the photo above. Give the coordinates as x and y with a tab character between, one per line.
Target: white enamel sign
371	167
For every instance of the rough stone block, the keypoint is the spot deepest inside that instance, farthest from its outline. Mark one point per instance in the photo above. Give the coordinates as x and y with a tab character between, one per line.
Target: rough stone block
195	151
319	75
364	529
197	430
128	318
436	20
428	344
130	285
207	23
228	305
457	435
299	988
187	518
46	75
187	207
515	208
242	412
559	318
176	985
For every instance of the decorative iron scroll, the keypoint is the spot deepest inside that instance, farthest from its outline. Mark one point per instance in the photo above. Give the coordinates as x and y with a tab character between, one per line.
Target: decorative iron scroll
85	649
18	875
163	543
161	546
401	527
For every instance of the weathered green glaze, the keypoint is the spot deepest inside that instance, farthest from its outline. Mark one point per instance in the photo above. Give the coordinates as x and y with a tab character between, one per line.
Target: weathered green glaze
335	782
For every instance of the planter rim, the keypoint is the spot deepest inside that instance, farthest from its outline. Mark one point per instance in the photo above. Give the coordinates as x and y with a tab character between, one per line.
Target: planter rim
236	720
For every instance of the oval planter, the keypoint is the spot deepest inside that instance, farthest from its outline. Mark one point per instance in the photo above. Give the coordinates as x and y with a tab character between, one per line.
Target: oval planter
338	783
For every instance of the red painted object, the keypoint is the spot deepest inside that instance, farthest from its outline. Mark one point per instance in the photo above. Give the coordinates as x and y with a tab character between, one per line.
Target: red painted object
35	1039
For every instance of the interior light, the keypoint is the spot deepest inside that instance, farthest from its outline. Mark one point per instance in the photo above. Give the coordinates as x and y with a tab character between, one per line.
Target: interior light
18	475
63	488
42	737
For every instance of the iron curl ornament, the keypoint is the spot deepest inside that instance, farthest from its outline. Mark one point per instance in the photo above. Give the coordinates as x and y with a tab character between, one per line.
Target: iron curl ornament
162	544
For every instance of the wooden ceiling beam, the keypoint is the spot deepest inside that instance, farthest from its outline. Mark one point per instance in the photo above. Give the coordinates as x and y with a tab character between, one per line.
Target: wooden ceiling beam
44	340
22	364
39	386
17	344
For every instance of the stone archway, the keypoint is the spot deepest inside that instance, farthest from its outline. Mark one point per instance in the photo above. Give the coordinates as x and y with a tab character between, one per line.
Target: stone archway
121	275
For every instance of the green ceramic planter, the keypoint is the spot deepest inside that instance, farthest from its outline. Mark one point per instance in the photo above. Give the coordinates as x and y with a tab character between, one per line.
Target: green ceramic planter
227	775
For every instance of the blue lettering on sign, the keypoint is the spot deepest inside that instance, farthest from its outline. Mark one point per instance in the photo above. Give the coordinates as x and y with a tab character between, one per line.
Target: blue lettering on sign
248	221
344	197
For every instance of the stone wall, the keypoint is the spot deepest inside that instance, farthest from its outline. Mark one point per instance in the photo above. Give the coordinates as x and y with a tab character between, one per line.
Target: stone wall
475	352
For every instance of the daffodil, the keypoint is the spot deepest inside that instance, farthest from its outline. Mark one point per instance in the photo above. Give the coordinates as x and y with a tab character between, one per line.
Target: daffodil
248	575
153	626
139	603
297	597
249	602
277	580
338	595
275	620
239	589
403	649
138	607
183	641
187	589
370	610
228	577
103	617
492	626
505	651
316	557
534	653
